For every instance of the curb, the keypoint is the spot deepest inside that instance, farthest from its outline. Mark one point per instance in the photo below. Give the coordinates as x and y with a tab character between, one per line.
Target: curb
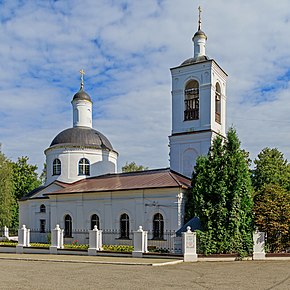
167	263
92	262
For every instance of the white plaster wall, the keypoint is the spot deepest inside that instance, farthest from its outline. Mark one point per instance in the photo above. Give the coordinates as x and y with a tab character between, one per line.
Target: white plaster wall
82	113
29	210
198	144
218	77
199	46
195	136
207	74
30	214
23	213
101	162
140	205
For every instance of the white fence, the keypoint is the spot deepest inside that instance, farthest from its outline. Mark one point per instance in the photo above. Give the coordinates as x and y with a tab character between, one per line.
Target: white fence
169	243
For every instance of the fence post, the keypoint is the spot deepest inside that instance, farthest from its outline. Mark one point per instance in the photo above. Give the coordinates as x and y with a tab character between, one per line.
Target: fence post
145	245
6	232
56	240
95	241
189	246
61	239
23	239
140	242
259	245
100	240
27	237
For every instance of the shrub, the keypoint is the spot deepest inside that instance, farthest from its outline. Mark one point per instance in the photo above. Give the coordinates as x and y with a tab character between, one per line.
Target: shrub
76	246
118	248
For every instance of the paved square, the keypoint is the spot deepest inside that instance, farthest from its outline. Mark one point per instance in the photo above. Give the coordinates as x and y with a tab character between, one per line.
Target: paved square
21	274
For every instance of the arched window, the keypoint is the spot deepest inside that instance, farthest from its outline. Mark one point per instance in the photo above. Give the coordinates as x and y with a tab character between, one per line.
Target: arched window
56	167
42	208
158	226
95	221
67	226
84	167
124	226
191	101
217	103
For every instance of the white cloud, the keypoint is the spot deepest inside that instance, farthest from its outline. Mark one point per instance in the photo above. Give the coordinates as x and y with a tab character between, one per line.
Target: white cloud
126	49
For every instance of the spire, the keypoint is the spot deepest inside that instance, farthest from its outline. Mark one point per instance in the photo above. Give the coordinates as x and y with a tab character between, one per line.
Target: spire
199	18
82	73
199	39
81	94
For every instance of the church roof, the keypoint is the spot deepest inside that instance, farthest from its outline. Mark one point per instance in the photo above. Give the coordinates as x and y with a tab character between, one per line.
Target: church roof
35	191
158	178
82	136
195	60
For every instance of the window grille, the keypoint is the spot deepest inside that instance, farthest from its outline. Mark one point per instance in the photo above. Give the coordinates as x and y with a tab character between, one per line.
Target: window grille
42	226
67	226
191	101
158	227
42	208
218	103
124	226
95	221
84	167
56	167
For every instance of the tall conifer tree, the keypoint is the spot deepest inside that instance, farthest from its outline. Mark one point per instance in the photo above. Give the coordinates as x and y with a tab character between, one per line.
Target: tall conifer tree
222	197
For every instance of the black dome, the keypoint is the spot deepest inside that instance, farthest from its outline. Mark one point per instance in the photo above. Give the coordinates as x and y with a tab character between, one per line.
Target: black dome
82	95
82	136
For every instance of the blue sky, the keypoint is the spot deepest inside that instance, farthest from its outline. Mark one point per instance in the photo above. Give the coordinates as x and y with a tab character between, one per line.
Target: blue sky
126	49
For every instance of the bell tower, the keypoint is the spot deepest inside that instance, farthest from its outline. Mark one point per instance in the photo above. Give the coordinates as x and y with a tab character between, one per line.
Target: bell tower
198	106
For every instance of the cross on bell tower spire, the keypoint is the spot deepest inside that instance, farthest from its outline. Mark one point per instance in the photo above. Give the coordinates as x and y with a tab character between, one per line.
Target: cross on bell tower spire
82	73
199	18
199	38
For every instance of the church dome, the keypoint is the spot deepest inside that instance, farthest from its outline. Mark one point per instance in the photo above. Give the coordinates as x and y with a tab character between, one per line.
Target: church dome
200	33
82	95
82	136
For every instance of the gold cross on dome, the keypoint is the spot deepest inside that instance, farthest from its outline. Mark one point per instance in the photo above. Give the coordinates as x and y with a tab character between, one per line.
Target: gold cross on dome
199	17
82	72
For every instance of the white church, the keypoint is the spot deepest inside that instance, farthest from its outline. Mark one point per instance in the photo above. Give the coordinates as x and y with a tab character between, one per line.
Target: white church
83	188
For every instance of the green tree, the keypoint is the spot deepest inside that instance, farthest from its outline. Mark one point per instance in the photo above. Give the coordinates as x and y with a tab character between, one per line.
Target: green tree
42	176
239	195
132	166
272	215
6	191
25	179
271	168
271	178
222	197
